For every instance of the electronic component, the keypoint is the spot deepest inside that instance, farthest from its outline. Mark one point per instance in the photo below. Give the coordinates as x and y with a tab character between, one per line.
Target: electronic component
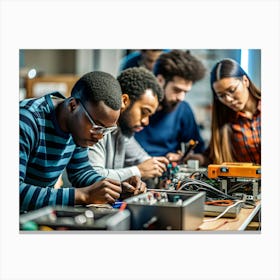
188	148
166	210
234	169
174	173
218	207
168	175
76	218
238	177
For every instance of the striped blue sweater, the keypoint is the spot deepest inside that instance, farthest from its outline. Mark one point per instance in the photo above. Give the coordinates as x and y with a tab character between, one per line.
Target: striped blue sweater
45	150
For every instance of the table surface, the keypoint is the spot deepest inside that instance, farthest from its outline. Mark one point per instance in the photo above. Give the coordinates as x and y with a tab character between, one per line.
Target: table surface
239	223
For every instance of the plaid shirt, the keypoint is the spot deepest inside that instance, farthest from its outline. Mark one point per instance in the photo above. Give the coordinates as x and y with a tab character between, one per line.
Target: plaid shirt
246	138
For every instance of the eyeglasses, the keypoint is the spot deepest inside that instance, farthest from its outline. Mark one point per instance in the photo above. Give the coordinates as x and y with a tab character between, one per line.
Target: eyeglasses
229	93
97	129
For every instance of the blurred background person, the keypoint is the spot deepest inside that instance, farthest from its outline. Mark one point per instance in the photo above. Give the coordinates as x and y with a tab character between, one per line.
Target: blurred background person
144	58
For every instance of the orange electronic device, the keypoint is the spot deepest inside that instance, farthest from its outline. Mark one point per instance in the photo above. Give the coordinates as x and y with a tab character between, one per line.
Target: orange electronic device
234	169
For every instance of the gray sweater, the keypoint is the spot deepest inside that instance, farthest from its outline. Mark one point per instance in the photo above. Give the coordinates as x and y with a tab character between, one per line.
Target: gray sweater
116	156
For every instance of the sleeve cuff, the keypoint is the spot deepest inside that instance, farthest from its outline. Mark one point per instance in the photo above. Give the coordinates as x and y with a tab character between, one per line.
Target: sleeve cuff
136	171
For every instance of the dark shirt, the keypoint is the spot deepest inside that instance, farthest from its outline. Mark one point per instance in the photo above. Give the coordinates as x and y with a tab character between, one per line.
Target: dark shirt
166	131
131	60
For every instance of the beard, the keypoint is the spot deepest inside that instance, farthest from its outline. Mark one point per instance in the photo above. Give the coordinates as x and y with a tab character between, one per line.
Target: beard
168	106
124	124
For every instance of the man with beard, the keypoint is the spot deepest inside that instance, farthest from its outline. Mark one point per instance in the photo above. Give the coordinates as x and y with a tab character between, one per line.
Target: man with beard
174	122
118	156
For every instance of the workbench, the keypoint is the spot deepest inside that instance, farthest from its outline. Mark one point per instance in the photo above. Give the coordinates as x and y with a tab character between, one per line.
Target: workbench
240	223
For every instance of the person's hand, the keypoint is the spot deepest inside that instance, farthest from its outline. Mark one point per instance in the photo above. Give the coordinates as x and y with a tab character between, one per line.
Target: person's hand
132	186
59	182
153	167
105	191
174	156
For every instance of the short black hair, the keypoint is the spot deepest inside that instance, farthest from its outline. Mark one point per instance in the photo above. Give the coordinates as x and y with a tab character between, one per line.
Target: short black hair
136	80
98	86
179	63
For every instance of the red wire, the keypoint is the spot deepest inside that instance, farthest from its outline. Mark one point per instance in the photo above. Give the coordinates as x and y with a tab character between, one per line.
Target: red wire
123	206
222	202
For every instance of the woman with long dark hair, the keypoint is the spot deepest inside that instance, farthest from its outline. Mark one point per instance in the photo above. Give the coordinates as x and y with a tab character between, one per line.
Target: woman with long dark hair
236	115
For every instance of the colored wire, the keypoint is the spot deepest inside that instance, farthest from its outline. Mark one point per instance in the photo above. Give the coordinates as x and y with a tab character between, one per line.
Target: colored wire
123	206
224	212
178	185
221	202
189	181
240	185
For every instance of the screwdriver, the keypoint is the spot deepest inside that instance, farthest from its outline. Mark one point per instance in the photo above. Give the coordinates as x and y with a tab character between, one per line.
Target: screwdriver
190	146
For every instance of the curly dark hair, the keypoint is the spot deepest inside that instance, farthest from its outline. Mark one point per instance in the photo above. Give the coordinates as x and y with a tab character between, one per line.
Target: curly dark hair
179	63
98	86
136	80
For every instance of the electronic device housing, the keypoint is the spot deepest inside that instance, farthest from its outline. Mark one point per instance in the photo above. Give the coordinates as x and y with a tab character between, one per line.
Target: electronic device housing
169	214
67	218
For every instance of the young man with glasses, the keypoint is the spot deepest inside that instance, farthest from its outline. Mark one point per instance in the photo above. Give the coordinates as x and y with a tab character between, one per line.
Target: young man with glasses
55	133
118	155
